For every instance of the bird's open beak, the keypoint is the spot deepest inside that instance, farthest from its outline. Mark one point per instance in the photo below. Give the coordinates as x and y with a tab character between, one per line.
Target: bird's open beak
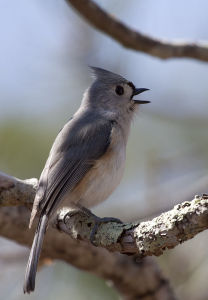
137	92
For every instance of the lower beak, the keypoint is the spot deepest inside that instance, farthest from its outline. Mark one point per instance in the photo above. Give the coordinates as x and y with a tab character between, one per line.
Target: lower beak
141	101
137	92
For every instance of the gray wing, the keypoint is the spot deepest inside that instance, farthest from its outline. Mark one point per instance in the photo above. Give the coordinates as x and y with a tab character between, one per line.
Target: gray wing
78	145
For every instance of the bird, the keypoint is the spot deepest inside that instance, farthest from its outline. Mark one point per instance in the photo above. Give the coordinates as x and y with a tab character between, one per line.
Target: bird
87	159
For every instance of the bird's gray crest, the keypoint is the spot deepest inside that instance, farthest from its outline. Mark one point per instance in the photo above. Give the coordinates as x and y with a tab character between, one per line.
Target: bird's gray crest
107	76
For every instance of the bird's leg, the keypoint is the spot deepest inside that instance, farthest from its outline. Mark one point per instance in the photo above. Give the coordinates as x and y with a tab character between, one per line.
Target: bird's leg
98	221
85	210
69	214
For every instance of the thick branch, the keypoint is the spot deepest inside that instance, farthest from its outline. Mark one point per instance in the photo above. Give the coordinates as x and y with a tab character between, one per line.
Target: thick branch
168	230
135	40
134	279
16	192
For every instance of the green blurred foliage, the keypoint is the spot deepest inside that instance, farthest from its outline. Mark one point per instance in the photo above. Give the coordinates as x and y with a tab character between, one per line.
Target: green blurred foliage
24	148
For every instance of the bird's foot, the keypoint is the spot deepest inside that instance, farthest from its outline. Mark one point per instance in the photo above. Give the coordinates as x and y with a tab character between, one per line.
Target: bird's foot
98	221
69	214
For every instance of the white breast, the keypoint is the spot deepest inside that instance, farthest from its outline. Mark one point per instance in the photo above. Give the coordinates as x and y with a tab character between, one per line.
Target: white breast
104	177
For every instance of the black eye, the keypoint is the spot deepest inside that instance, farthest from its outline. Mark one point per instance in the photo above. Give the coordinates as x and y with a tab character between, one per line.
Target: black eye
119	90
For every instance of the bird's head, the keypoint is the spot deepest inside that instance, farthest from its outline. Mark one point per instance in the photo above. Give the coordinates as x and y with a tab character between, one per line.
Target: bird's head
112	92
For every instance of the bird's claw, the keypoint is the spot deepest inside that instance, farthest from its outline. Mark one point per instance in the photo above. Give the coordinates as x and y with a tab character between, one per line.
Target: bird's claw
98	222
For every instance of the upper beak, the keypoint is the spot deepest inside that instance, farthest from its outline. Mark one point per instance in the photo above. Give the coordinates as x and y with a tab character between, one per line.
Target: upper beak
137	92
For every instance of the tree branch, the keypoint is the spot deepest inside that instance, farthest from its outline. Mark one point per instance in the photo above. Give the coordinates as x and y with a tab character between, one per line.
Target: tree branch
148	238
166	231
134	278
17	192
135	40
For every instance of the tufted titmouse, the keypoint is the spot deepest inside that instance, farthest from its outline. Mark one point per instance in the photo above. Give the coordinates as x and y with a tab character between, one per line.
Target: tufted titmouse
87	159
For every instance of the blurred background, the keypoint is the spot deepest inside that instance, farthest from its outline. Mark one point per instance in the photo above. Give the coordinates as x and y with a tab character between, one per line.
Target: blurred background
44	56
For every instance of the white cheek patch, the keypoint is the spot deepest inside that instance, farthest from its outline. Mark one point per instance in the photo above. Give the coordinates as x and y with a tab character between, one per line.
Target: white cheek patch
128	91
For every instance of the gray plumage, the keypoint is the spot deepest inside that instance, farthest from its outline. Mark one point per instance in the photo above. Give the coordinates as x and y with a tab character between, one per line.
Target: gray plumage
86	161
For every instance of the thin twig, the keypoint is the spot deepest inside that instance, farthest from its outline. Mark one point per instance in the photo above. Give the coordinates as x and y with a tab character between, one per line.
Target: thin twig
136	40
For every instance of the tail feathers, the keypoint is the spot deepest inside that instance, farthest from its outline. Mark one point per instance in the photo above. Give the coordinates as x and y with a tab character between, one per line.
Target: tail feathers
30	274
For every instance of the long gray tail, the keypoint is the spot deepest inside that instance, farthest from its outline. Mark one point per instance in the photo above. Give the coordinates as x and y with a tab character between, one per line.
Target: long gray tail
29	283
